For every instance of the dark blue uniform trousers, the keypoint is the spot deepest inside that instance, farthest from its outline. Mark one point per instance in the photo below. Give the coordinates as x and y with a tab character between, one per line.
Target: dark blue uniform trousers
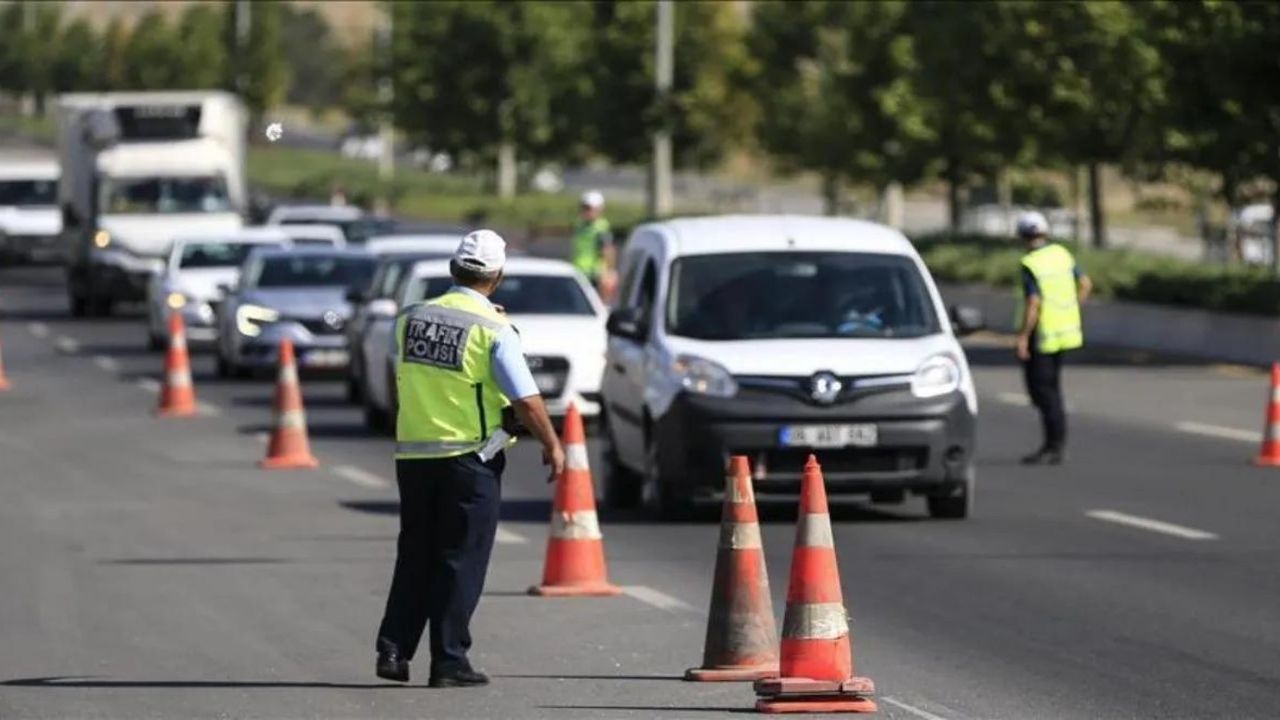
448	518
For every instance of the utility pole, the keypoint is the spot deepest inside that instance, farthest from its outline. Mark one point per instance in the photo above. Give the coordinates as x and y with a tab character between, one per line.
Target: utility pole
660	172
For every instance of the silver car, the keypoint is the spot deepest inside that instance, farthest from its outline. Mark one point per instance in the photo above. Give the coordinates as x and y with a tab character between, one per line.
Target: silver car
299	293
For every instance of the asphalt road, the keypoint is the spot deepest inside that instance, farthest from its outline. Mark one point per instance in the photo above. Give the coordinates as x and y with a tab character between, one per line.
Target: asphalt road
148	569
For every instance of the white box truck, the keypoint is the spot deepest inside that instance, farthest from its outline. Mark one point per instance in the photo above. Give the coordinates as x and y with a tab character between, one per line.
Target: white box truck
138	169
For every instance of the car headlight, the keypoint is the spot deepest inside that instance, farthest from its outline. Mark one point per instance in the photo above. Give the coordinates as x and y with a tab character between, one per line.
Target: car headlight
939	375
248	316
703	377
176	300
101	239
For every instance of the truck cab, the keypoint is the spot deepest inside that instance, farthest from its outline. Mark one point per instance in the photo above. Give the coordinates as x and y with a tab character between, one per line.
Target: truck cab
139	169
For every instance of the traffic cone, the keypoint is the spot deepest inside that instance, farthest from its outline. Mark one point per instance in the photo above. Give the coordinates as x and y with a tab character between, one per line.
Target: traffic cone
1270	454
575	549
177	394
742	639
816	665
4	381
289	446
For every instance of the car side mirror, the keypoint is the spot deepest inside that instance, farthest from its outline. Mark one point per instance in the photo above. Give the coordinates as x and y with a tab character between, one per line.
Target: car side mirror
966	320
382	307
627	323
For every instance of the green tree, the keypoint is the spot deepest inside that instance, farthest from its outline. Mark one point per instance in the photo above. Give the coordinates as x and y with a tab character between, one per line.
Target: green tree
29	49
480	79
711	109
315	61
836	93
256	67
202	55
78	59
150	55
112	72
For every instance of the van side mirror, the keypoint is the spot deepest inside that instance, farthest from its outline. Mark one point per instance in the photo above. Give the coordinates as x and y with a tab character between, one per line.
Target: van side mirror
966	320
627	323
356	296
226	288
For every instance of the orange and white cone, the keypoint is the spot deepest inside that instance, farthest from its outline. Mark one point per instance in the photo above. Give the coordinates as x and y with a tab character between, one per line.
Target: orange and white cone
177	394
4	381
289	446
575	548
1269	456
816	664
742	639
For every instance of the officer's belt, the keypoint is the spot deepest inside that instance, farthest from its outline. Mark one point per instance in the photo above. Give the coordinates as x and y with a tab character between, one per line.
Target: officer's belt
429	447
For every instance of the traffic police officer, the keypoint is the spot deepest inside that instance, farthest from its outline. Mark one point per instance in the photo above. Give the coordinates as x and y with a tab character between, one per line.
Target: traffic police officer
592	248
459	366
1053	287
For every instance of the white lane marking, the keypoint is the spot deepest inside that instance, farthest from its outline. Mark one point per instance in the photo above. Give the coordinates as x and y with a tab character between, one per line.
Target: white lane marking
509	537
1158	526
106	362
1218	431
1009	398
360	477
208	409
262	437
911	709
149	384
656	598
39	329
67	344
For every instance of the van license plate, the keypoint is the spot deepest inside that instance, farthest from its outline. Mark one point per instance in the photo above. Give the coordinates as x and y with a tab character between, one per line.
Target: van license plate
829	436
325	358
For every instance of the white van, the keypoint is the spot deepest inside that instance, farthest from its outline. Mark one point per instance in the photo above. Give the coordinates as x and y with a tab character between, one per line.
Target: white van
777	337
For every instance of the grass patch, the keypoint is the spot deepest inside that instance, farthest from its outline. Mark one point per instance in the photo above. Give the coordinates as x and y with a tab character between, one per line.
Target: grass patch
295	173
1117	274
40	129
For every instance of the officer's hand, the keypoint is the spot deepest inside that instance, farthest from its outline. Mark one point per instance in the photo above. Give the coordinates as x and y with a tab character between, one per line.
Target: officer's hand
1024	348
554	456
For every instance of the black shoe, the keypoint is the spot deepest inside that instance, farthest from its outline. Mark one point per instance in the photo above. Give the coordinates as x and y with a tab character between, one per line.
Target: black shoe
459	678
1044	456
391	666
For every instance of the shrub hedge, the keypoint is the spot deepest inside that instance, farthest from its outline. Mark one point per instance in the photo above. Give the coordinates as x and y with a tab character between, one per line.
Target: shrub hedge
1116	274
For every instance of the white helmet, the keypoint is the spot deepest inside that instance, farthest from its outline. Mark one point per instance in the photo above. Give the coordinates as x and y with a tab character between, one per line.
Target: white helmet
592	199
1032	225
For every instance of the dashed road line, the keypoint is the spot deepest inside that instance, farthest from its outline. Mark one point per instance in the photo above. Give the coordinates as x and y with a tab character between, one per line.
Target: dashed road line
360	477
1219	431
208	409
657	598
918	712
149	384
39	329
106	362
262	437
1156	526
1009	398
67	345
509	537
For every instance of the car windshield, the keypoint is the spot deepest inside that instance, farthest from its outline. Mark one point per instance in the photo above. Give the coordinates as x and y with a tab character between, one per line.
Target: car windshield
28	193
520	294
214	254
164	195
798	295
311	271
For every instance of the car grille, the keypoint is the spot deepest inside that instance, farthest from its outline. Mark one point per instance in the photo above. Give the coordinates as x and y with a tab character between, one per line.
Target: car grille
852	461
852	388
550	372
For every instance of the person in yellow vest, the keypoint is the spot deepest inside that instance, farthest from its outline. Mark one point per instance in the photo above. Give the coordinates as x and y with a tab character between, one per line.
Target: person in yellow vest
592	250
459	368
1053	288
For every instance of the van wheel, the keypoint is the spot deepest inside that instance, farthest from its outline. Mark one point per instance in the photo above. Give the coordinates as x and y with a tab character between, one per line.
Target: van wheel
621	486
659	495
954	503
375	418
354	393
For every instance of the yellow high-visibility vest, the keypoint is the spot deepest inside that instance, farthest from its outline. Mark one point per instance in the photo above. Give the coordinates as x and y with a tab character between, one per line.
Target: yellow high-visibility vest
1059	327
586	246
449	401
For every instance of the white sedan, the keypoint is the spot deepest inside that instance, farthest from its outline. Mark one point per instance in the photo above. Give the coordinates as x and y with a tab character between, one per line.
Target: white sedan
197	269
558	314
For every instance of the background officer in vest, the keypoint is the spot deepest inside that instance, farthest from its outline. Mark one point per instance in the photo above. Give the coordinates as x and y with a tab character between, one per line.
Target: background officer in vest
459	365
1053	287
593	251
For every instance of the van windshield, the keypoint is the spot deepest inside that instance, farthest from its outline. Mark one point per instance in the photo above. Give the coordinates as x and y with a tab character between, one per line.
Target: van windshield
798	295
164	195
28	193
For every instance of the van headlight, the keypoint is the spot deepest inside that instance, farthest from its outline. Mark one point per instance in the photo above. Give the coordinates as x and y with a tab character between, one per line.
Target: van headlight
703	377
248	316
939	375
101	239
176	300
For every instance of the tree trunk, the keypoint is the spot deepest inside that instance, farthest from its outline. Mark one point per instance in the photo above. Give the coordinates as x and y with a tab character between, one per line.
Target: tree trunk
831	193
1077	204
893	206
953	197
1095	207
1004	196
507	170
1275	231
